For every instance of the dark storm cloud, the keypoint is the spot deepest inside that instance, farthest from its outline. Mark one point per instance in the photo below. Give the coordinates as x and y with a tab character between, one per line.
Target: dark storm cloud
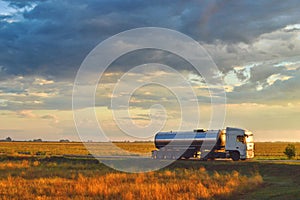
262	72
236	21
54	37
140	57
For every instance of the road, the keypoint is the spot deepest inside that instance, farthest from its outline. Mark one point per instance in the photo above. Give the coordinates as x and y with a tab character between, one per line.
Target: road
147	157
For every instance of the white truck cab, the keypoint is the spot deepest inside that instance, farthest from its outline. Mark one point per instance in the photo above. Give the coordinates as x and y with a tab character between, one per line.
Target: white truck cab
239	143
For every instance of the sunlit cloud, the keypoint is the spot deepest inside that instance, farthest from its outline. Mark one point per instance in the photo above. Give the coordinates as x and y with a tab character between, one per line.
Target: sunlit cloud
293	27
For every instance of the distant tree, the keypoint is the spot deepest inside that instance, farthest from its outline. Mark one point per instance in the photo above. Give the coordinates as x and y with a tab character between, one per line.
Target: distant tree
64	140
37	140
8	139
290	151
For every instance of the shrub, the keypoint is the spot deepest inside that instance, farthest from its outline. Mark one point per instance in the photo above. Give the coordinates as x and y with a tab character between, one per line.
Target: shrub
290	151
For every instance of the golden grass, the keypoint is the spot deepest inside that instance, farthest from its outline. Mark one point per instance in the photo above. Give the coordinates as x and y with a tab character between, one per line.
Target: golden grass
183	184
17	165
273	150
263	150
77	148
47	148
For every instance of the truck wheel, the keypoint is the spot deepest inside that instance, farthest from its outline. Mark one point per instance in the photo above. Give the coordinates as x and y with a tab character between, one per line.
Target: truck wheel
159	155
154	154
168	156
235	156
173	157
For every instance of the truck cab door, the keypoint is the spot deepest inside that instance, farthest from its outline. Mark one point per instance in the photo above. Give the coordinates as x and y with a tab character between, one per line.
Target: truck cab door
241	145
236	142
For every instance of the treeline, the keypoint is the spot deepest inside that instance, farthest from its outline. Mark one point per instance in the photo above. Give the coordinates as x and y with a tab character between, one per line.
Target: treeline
8	139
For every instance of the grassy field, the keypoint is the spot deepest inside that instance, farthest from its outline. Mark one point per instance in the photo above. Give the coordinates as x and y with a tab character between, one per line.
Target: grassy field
263	150
66	178
61	178
273	150
31	170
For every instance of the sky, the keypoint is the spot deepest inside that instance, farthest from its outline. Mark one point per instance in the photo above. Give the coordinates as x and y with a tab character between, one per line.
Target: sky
254	44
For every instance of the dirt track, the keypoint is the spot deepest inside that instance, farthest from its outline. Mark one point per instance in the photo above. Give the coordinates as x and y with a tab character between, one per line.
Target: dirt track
145	157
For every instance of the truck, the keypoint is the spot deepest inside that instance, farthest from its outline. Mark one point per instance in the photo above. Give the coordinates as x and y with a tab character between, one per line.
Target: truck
234	143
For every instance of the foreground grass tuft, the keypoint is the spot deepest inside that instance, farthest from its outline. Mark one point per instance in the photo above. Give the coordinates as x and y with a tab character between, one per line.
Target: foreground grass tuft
178	184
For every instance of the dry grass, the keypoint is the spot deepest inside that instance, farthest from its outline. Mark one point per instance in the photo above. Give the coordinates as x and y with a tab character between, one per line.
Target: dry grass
183	184
16	165
47	148
49	177
77	148
273	150
263	150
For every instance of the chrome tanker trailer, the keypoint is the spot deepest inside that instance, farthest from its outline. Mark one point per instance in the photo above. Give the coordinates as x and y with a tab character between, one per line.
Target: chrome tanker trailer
203	144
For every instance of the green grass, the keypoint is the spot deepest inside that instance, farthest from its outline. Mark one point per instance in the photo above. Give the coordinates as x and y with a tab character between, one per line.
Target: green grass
281	180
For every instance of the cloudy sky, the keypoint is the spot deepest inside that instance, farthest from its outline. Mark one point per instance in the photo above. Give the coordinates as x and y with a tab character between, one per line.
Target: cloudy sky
254	44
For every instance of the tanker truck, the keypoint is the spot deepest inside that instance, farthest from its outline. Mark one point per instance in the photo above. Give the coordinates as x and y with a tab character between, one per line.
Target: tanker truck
234	143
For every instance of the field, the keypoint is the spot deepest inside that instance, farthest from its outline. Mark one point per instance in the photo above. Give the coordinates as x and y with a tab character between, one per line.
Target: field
263	150
273	150
47	170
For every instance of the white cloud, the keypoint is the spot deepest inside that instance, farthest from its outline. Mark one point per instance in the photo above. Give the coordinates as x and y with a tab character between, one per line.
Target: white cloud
42	81
5	9
275	77
14	14
289	65
259	87
293	27
42	94
30	92
265	70
3	102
